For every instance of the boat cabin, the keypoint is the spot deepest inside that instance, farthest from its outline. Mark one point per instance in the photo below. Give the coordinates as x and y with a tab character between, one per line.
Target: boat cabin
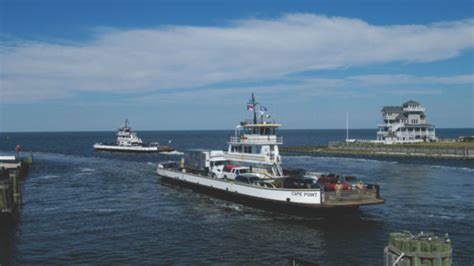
256	144
127	138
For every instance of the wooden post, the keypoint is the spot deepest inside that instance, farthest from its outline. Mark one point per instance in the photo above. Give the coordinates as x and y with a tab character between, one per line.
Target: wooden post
5	202
30	158
16	187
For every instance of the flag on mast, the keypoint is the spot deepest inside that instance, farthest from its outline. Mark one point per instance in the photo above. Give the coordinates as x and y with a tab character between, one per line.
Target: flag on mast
249	107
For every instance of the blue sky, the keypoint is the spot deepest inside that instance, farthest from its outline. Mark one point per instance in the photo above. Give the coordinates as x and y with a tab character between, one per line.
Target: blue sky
165	65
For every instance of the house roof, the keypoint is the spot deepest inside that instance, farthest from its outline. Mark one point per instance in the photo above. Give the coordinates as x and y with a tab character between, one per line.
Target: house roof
411	102
401	116
392	109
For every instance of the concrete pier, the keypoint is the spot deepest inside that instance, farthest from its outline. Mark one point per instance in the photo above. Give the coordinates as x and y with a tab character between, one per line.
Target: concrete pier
464	151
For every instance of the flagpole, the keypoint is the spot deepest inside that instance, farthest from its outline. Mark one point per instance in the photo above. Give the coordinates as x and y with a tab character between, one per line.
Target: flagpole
254	110
347	126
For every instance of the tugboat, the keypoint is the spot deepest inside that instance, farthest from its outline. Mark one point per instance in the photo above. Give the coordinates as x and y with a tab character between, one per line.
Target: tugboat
250	172
127	141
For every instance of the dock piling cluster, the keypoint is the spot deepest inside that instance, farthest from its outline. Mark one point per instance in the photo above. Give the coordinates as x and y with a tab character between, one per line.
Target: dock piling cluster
405	249
11	172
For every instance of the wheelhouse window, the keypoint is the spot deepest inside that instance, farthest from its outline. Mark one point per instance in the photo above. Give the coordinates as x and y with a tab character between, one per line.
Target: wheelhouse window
264	131
247	149
236	149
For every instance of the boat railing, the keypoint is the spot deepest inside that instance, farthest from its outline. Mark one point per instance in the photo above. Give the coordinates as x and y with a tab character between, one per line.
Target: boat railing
369	193
247	157
256	140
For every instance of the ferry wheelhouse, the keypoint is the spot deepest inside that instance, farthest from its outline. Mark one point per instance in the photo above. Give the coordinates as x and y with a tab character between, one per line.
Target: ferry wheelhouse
256	146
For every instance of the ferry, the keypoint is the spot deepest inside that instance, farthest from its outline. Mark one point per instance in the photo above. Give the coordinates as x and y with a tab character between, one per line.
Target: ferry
128	141
250	172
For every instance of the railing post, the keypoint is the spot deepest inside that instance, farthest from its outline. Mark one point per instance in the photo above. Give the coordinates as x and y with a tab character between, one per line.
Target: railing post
16	186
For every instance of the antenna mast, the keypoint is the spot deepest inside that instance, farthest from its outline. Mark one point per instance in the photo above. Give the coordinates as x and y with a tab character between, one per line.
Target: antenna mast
254	104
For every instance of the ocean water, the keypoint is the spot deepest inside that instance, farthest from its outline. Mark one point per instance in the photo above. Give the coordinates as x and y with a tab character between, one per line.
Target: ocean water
82	206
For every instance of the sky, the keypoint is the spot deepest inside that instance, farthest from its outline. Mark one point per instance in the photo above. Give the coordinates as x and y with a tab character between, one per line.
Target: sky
192	65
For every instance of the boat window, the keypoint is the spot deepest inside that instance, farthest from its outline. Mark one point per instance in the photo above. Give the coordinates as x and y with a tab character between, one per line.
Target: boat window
236	149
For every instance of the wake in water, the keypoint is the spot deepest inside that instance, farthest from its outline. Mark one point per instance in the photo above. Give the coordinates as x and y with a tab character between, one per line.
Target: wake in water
467	169
48	177
59	157
85	169
172	153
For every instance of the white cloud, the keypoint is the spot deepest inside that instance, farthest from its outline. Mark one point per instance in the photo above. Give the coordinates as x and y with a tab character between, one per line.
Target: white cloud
142	60
410	79
363	86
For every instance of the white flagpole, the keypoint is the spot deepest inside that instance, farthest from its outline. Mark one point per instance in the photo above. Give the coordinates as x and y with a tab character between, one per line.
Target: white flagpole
347	126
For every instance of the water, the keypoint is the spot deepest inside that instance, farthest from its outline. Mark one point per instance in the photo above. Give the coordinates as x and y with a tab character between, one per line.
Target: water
82	206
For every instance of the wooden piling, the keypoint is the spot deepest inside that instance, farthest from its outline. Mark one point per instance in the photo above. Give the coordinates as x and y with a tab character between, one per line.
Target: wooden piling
16	187
11	172
5	197
405	249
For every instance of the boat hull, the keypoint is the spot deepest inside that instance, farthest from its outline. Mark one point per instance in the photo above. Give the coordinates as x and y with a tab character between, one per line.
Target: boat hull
305	202
101	147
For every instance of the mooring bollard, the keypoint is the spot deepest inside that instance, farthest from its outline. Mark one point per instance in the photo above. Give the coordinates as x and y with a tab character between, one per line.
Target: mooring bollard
405	249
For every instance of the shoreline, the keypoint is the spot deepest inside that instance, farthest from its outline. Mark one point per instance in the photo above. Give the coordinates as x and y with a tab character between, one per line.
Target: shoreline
446	151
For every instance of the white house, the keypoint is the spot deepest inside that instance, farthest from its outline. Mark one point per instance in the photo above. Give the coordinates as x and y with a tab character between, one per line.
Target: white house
405	124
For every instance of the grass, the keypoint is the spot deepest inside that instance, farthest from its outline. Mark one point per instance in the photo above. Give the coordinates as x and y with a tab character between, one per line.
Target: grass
440	144
442	149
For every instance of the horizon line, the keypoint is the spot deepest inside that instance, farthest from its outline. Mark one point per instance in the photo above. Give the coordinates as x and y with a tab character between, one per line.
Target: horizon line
146	130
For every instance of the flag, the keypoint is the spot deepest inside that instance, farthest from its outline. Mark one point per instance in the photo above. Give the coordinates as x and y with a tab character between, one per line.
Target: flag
249	107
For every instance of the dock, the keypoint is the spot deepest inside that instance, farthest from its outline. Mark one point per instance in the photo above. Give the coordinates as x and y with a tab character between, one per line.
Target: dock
12	169
436	150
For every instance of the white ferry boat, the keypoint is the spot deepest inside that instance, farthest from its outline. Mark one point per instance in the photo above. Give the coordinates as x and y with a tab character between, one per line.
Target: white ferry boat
250	172
128	141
